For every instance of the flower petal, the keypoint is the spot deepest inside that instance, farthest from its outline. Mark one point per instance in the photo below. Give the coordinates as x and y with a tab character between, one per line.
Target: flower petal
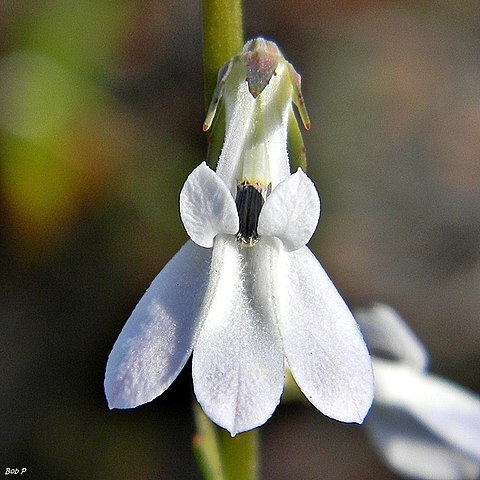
157	339
206	206
448	410
412	450
387	334
238	361
291	212
255	146
323	344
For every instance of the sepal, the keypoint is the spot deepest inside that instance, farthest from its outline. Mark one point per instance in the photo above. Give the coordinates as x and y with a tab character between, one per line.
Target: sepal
298	100
217	93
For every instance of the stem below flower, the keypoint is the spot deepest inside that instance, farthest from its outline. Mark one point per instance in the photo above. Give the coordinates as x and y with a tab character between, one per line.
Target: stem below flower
240	455
221	457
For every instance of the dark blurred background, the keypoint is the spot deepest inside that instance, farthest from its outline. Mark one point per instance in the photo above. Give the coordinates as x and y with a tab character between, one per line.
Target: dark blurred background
101	107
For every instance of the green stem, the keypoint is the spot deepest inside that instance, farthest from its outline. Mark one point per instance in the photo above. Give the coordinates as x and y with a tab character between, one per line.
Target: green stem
206	446
240	455
222	38
220	456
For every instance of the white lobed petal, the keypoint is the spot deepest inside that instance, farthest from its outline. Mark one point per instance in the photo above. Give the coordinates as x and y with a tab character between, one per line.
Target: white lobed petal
448	410
239	115
206	206
323	344
413	451
238	362
158	337
255	146
387	334
291	212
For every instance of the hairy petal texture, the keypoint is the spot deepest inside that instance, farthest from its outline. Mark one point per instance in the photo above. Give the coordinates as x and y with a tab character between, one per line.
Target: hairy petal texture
255	146
238	362
323	344
207	207
157	339
291	212
239	111
450	411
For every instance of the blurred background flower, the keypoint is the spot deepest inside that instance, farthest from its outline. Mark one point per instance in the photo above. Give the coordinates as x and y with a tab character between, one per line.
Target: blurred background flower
101	108
422	426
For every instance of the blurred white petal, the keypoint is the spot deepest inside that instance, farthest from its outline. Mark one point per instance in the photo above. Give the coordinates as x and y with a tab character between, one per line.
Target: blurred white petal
206	206
387	334
413	451
291	212
323	344
238	360
448	410
158	337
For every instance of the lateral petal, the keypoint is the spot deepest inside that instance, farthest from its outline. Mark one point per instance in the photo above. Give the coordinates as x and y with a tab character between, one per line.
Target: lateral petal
323	344
206	206
157	339
448	410
238	363
291	212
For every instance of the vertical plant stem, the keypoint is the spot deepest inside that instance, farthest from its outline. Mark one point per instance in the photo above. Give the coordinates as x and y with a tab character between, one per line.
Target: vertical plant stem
222	38
206	446
241	455
222	30
220	456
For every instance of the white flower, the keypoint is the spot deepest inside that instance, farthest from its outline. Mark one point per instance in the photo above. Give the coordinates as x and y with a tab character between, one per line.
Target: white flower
423	426
245	292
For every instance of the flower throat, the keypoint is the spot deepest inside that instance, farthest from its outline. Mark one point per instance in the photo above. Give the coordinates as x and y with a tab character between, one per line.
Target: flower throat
249	201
